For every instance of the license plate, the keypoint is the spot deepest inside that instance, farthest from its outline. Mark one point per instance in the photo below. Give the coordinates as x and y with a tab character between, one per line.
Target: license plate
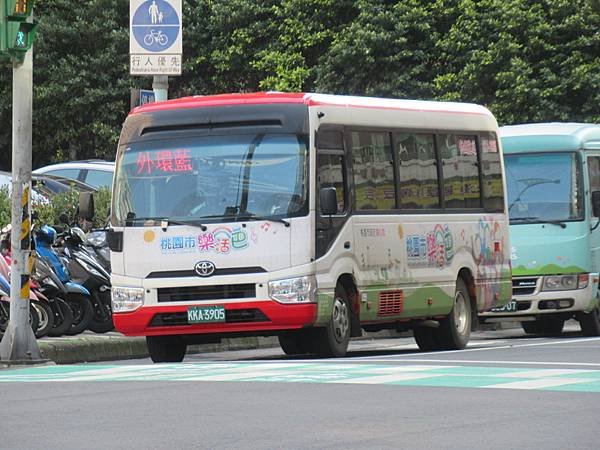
509	307
206	314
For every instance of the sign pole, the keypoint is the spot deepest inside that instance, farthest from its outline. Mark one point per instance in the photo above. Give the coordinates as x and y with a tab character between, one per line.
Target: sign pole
19	344
160	85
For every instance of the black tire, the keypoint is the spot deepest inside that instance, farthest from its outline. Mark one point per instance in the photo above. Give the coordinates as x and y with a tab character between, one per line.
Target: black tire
296	343
45	317
534	327
166	348
552	325
426	338
455	329
333	339
63	317
82	313
5	316
590	322
34	319
102	321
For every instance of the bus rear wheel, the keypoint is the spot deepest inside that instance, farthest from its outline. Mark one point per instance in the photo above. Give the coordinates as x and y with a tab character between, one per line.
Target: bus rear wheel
166	348
426	338
455	329
333	339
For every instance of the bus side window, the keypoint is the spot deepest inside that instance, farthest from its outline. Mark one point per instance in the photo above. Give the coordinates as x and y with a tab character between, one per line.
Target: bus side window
331	174
460	169
331	167
493	190
594	175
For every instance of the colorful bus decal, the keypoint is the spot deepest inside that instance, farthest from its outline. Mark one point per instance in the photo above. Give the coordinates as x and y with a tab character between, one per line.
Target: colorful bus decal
221	240
435	248
489	258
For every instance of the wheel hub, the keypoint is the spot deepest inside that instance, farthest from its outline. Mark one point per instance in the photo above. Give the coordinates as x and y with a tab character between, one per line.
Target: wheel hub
340	319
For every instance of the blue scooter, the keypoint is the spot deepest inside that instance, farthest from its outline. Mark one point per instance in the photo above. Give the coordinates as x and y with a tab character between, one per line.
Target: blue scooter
77	296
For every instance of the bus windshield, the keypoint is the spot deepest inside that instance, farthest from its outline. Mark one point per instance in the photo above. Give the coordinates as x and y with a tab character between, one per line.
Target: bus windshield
212	178
543	187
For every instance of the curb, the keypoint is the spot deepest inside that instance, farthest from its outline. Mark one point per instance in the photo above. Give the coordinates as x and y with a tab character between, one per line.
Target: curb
112	346
96	348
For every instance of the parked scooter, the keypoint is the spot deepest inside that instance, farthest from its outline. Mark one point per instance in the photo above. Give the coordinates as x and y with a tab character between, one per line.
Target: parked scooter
96	242
86	270
55	291
77	296
5	307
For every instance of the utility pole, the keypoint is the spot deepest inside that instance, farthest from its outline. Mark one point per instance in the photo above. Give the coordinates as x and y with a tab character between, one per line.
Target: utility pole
19	344
17	32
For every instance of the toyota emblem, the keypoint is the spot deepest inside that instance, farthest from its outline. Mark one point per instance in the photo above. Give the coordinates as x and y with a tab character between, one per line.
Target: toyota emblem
204	268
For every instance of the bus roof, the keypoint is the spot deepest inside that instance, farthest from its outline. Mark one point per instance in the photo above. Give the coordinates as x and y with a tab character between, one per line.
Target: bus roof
548	137
311	99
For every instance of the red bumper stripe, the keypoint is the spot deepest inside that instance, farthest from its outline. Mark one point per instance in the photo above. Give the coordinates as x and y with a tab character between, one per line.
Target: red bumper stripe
280	317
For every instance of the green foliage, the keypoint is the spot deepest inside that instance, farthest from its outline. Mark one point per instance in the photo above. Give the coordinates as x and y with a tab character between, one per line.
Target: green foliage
101	207
5	206
64	203
528	61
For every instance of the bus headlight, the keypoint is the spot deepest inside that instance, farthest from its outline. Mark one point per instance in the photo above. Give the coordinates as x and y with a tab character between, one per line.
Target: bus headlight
126	299
560	283
294	290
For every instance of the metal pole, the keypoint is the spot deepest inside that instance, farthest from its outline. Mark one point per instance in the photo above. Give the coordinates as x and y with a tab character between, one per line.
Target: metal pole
19	344
160	85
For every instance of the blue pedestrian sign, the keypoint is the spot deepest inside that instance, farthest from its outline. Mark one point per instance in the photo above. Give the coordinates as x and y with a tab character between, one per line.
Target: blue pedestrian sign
155	37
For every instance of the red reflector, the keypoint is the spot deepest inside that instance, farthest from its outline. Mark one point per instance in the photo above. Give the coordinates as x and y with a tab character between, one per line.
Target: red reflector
496	246
391	303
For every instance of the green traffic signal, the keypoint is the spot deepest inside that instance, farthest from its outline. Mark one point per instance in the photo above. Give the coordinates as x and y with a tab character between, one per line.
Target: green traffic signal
16	32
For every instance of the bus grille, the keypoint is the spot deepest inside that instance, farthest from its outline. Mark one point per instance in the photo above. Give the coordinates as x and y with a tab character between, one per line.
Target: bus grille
391	303
206	293
524	286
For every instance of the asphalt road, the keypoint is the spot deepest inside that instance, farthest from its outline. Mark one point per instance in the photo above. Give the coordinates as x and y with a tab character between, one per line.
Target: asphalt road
505	391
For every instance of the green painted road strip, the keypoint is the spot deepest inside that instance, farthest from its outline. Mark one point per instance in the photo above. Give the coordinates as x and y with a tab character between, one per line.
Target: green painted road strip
579	380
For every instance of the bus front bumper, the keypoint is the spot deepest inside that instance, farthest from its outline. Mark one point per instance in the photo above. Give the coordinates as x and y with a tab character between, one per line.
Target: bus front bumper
247	318
525	307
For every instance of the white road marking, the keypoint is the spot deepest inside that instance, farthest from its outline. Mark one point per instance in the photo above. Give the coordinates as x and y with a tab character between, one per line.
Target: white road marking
378	379
537	384
545	373
503	347
478	361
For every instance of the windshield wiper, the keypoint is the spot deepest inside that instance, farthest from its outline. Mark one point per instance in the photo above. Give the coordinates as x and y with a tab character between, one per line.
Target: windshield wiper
240	216
164	221
560	223
529	183
250	216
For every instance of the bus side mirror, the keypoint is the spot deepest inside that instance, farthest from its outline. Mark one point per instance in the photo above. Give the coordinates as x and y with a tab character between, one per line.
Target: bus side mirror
596	203
86	205
328	201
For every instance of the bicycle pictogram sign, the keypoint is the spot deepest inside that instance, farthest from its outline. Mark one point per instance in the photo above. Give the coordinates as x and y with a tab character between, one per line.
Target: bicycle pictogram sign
156	27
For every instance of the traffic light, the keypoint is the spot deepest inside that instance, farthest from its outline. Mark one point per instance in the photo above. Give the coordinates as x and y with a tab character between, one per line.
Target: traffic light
16	31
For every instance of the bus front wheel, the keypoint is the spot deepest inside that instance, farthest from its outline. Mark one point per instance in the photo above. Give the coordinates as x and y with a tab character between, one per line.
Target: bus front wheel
333	339
590	322
455	329
166	348
294	343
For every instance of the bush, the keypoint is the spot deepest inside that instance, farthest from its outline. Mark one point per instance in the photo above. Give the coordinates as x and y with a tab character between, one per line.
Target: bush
67	203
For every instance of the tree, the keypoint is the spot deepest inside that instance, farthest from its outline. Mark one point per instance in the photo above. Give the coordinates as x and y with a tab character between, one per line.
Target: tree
528	61
385	51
